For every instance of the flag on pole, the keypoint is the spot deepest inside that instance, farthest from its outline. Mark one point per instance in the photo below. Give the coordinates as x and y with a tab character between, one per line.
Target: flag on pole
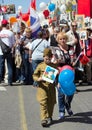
33	4
34	22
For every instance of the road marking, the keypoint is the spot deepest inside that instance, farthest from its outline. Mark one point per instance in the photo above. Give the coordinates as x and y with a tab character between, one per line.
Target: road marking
22	110
3	89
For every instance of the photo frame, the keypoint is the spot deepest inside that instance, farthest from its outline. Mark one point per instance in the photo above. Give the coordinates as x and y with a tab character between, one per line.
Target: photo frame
64	16
80	21
50	74
83	35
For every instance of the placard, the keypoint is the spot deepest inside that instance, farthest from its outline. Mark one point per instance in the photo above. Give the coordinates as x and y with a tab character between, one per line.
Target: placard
50	74
80	21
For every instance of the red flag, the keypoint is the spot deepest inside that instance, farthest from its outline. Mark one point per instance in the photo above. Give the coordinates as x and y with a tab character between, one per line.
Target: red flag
33	4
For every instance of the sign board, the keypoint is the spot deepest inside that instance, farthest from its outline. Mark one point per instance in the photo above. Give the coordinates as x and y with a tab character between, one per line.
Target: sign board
7	9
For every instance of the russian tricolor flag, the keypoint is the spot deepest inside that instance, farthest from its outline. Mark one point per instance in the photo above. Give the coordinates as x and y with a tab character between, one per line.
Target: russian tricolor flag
34	20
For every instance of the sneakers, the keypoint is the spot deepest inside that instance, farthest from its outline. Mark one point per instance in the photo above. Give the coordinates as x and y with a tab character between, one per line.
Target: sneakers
17	81
61	115
70	112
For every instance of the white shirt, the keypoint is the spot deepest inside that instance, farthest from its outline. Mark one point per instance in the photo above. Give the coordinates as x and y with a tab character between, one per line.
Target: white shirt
7	37
38	52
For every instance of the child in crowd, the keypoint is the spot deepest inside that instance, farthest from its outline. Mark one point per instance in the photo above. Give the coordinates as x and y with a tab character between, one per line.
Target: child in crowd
18	57
46	94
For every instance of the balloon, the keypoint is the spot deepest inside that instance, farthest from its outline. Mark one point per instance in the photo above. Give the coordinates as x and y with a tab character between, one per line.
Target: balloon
63	8
65	67
51	7
67	89
42	6
46	13
66	76
25	17
28	23
19	8
12	19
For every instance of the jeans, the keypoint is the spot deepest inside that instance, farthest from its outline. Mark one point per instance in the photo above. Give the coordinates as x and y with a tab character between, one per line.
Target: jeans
64	101
34	65
27	69
9	60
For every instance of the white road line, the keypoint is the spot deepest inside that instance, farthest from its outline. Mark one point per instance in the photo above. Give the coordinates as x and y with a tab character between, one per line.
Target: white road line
3	89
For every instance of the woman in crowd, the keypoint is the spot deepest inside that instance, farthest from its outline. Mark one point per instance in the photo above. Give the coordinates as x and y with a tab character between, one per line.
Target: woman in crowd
62	57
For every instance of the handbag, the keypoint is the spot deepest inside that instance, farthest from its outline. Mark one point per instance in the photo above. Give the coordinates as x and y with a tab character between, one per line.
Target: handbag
5	49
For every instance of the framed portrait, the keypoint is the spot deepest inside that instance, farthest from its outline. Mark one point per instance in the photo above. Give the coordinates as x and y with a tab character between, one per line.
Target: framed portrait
83	35
80	21
64	16
50	74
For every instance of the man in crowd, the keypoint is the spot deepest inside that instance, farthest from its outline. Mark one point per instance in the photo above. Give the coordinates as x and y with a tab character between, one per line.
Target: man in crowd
7	37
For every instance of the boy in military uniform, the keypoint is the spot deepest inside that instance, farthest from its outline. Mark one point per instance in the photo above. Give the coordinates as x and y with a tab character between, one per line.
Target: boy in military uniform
46	94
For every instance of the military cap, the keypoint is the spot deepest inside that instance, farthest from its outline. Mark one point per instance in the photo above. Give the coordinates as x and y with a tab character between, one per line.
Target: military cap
47	52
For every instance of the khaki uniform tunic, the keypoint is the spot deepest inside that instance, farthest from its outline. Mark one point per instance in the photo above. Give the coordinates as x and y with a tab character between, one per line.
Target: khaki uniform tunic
46	94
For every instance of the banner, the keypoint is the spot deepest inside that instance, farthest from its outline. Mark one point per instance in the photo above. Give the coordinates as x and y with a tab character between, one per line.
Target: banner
85	7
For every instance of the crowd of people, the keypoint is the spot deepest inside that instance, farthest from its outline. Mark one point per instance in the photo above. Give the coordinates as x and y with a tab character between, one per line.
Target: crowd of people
55	45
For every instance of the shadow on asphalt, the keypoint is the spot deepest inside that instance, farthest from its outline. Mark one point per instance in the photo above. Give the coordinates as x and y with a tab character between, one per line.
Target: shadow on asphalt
85	117
86	90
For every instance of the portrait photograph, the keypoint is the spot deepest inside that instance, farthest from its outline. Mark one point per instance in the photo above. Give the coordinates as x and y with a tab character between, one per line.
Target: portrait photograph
83	35
80	21
50	74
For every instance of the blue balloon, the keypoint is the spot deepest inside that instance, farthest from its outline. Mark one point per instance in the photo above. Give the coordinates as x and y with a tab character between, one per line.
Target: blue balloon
68	89
51	7
66	76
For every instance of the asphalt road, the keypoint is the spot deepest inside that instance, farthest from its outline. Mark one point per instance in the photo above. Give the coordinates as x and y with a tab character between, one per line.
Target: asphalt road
19	110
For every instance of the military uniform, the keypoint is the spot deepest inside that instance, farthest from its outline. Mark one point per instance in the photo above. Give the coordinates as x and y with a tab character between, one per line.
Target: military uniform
46	94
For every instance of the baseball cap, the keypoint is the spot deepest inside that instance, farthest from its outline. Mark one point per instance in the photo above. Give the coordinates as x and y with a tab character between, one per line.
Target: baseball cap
4	22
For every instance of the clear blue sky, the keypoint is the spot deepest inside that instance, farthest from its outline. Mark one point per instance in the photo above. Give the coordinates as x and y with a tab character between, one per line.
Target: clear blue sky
24	3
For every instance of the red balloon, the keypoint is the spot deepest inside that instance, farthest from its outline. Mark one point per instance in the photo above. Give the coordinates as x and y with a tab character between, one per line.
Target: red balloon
25	17
46	13
65	67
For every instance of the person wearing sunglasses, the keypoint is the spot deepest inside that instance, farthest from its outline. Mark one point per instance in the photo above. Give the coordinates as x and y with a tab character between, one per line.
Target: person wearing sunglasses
73	41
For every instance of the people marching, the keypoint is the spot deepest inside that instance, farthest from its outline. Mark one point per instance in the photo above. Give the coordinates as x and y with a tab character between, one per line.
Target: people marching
28	57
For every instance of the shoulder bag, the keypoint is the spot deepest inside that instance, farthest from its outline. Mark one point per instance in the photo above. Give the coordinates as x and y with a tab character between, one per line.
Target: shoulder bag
5	49
37	45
